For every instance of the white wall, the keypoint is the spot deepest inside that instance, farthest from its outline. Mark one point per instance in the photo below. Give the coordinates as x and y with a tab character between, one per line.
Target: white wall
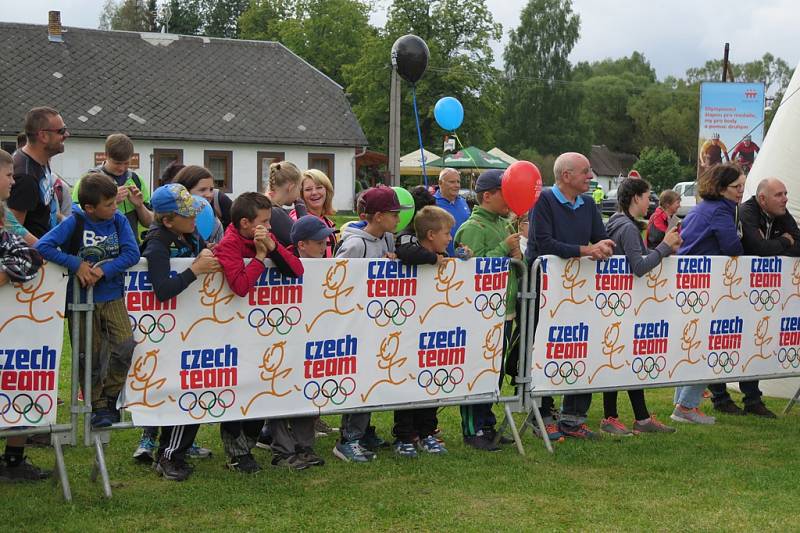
78	157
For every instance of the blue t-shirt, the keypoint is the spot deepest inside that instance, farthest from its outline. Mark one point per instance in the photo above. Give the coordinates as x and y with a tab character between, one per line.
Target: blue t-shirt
460	211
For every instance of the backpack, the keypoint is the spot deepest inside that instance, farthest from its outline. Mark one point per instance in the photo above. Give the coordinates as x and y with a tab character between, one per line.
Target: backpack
339	245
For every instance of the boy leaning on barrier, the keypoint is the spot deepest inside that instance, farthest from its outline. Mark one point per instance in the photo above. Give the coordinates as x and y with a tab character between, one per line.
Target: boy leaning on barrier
486	232
173	234
96	232
18	263
248	236
378	209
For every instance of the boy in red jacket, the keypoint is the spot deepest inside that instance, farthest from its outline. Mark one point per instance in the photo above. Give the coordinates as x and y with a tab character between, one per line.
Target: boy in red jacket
248	236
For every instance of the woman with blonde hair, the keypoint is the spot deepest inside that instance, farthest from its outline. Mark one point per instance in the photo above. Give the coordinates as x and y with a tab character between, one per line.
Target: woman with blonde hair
316	192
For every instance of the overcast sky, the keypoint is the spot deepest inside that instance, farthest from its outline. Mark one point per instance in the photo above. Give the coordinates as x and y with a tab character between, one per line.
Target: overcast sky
672	35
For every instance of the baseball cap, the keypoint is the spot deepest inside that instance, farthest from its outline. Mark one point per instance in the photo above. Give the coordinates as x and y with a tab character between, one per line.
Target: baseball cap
489	180
310	228
174	198
379	200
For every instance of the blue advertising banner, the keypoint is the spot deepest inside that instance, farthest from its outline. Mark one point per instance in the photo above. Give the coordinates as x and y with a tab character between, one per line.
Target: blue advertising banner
731	124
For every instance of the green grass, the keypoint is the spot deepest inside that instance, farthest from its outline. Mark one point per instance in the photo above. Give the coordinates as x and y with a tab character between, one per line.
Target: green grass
738	475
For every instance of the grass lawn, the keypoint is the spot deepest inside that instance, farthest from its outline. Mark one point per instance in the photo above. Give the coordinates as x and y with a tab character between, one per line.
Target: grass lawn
738	475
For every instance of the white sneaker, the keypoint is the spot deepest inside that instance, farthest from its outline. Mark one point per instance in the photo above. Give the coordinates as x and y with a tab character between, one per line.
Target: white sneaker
691	416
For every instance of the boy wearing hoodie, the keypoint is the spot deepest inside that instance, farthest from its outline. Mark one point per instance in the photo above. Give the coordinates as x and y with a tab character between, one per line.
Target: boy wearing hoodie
249	236
379	210
97	232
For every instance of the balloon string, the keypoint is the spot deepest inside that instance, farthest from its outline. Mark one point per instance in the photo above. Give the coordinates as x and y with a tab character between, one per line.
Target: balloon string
419	134
466	152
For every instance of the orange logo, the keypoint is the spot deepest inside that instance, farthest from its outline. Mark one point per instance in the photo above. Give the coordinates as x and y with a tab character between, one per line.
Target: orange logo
445	273
729	279
654	282
27	294
271	373
143	370
688	345
388	360
570	282
212	289
762	329
795	283
610	349
492	352
333	286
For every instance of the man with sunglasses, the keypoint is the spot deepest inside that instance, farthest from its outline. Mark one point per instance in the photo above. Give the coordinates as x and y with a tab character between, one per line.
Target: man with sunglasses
32	196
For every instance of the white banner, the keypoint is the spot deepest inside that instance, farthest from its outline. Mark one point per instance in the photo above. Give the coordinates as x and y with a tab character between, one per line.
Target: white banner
32	332
692	318
348	334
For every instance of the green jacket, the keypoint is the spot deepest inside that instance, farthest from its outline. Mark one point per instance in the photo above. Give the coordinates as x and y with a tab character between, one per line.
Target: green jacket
485	233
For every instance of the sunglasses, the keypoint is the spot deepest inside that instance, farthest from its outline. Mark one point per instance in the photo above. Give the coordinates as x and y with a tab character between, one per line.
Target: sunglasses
60	131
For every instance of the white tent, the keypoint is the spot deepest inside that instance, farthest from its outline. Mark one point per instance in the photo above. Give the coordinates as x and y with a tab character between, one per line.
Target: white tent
411	164
778	158
497	152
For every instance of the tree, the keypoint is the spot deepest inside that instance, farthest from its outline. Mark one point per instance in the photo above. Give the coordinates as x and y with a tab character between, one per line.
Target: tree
130	15
660	166
222	17
183	17
541	108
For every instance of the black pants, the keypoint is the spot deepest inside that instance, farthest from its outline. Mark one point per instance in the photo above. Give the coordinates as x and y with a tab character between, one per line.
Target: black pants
414	422
240	436
752	394
176	440
638	404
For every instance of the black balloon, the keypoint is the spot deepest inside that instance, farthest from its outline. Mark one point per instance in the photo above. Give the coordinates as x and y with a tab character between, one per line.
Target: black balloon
410	57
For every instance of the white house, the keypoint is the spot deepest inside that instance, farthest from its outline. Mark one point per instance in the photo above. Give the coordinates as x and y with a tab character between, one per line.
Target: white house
233	106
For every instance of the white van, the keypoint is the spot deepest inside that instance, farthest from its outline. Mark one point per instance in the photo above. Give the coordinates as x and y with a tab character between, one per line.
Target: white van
688	199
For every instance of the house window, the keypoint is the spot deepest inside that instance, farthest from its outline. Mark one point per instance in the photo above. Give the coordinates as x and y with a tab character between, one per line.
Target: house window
162	157
265	159
220	164
323	162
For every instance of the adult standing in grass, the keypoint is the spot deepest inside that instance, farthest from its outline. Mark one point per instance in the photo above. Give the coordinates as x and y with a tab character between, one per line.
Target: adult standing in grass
625	229
711	228
316	192
448	199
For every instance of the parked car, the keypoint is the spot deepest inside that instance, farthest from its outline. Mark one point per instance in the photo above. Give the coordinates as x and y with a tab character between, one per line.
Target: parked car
688	198
609	205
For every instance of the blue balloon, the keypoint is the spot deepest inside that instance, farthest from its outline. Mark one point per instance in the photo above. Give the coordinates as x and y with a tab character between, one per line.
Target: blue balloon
449	113
205	220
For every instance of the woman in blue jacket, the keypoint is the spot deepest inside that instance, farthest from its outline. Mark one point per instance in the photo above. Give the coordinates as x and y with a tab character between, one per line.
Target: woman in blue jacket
711	228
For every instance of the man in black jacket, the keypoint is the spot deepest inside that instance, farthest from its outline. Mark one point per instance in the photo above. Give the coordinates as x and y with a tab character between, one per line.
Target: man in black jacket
767	230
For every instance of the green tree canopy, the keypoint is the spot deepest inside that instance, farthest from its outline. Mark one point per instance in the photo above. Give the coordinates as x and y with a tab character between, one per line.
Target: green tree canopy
660	166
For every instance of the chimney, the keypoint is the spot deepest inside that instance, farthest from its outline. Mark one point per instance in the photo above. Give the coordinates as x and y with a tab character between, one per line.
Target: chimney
54	27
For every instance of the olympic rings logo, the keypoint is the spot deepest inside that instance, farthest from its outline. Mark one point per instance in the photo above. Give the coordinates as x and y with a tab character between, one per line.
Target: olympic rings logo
278	319
723	361
393	311
208	402
613	303
691	301
331	390
789	357
493	305
651	367
442	380
564	372
26	407
152	328
764	300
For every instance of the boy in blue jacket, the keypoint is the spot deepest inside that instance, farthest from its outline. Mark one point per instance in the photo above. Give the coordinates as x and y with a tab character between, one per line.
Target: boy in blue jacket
96	244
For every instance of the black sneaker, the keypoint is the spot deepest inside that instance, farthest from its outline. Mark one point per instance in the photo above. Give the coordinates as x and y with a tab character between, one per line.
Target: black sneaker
759	409
24	471
371	441
729	408
244	464
290	462
264	438
481	442
491	433
309	456
175	470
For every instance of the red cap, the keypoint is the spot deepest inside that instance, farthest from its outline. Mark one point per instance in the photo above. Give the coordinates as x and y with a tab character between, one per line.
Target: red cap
378	200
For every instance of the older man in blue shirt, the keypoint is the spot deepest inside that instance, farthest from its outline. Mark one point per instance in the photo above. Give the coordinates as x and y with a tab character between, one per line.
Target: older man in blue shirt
448	199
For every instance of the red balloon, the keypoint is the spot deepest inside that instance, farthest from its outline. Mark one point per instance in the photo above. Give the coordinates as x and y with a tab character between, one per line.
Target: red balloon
522	184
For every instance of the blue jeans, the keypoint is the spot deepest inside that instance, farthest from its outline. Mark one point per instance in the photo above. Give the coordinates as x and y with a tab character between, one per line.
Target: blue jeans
573	409
689	396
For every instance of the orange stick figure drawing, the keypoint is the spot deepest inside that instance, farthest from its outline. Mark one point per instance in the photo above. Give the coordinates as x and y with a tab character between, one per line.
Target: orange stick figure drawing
271	373
569	277
610	349
492	350
762	329
688	344
142	371
388	360
795	284
27	294
211	289
444	284
335	278
654	282
729	279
